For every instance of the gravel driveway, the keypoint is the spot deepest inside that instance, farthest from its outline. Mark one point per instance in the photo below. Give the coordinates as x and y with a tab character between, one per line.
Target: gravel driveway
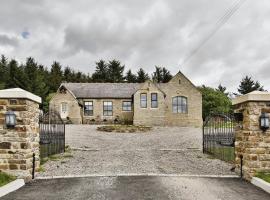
163	150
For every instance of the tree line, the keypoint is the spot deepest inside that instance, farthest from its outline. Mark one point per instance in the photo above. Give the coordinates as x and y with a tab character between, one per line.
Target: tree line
40	80
44	82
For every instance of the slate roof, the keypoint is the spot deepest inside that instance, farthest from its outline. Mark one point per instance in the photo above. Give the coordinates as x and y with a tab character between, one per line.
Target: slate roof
102	90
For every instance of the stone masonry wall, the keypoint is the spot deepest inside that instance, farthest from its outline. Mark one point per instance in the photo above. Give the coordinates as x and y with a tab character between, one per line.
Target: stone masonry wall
18	144
251	141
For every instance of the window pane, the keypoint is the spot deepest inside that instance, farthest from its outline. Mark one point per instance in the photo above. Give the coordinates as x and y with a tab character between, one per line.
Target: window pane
179	104
174	109
154	104
154	96
143	100
174	100
126	106
107	108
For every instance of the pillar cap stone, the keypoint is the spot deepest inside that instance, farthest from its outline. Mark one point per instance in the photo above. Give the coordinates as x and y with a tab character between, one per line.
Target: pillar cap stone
252	96
18	93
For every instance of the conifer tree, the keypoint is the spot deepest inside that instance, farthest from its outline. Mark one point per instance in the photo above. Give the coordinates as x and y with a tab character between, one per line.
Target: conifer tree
142	76
130	77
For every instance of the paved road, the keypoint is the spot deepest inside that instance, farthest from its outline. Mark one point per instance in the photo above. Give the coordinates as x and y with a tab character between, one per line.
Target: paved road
163	150
138	188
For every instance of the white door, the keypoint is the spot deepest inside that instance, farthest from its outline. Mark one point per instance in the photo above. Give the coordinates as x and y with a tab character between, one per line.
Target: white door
64	110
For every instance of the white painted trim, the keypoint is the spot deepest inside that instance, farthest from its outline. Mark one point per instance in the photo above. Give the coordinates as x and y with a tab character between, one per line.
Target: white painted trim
146	174
261	184
11	187
18	93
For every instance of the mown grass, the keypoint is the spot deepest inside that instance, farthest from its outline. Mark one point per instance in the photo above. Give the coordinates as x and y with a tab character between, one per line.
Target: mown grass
264	176
5	178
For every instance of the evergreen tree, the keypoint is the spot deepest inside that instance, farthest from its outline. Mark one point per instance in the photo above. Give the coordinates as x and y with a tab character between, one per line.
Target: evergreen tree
130	77
142	76
3	72
16	76
157	75
161	75
55	77
248	85
167	76
100	75
222	89
115	72
68	74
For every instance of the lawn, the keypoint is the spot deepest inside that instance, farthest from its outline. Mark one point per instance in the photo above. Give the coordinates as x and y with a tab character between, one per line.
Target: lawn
5	178
124	128
223	153
264	176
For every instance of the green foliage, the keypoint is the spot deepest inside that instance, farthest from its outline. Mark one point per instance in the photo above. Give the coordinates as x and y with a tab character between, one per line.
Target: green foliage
130	77
5	178
142	76
214	101
115	72
161	75
55	77
222	89
248	85
100	75
264	176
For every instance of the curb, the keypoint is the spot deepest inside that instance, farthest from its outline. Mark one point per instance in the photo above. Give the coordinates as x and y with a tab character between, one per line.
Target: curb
261	184
119	175
11	187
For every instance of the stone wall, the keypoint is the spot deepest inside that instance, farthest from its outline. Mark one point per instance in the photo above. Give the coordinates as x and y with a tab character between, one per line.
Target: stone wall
98	117
18	144
163	115
74	109
251	141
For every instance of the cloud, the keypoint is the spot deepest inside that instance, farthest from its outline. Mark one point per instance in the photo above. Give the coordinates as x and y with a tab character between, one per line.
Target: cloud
142	34
6	40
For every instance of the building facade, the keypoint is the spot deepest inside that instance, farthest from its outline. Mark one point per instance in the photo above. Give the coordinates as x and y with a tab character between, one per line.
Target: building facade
176	103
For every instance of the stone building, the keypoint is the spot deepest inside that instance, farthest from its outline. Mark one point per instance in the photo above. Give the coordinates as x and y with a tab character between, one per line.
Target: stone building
176	103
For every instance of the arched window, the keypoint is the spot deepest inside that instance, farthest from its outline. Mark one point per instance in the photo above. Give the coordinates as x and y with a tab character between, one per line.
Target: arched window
179	104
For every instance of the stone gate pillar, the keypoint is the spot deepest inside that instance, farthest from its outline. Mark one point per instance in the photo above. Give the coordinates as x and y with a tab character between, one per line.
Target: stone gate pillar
251	142
17	144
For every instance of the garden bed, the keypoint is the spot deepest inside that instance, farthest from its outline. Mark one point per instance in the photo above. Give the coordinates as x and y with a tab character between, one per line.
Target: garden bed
124	128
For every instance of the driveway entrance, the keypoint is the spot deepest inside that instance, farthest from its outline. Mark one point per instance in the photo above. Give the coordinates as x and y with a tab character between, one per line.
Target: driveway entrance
163	150
139	187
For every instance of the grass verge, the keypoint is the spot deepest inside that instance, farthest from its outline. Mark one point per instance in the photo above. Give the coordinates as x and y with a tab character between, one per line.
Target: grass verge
5	178
223	153
264	176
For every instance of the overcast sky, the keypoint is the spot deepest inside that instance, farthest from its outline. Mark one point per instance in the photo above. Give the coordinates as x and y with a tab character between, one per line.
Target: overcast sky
142	33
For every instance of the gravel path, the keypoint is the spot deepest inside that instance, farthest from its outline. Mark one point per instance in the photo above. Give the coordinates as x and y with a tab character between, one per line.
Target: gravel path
164	150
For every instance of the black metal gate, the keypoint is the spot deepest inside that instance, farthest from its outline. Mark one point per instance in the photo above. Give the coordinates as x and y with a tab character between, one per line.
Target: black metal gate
52	134
219	136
